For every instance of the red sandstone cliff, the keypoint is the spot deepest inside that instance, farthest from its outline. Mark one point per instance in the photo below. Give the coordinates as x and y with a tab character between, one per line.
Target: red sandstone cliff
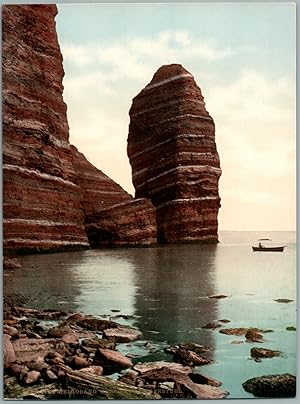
112	216
52	196
172	151
41	201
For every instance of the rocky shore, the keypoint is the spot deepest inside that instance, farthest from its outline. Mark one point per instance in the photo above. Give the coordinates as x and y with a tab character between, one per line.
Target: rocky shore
51	354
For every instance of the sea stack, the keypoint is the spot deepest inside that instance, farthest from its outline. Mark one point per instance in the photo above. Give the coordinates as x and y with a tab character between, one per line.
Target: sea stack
41	200
173	155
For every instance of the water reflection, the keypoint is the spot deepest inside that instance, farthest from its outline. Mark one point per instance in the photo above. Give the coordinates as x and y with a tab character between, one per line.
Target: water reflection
44	281
173	288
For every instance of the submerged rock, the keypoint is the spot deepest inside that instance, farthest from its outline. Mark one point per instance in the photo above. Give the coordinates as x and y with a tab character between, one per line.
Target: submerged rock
212	326
291	328
253	335
237	331
264	353
283	385
96	324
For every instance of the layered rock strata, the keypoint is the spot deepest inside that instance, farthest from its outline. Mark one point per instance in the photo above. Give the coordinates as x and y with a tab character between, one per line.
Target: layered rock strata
52	195
128	223
112	216
172	151
41	200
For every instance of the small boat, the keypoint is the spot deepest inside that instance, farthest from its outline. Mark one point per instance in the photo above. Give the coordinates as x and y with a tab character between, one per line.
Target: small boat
262	247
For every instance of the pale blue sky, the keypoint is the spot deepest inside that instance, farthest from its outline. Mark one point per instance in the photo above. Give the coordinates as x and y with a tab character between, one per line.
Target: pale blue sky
242	56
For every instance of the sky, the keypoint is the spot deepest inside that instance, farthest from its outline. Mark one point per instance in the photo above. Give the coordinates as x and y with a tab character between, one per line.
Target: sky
243	57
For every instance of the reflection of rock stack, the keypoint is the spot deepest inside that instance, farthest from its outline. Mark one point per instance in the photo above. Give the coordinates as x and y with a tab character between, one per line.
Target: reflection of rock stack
172	151
175	284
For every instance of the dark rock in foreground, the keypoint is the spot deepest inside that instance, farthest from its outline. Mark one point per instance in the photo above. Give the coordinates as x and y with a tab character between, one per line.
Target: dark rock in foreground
272	386
174	381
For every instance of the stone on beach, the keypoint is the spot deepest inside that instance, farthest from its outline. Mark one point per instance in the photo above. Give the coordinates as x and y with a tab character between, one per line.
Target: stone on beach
189	357
70	338
147	366
186	384
9	356
79	362
29	349
95	370
12	331
96	342
122	334
283	385
31	377
111	361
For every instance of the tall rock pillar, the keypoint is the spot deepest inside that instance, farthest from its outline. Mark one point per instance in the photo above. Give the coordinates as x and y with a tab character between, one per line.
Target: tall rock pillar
172	151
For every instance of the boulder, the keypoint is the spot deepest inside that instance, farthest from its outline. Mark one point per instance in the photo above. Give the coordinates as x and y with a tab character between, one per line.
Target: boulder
96	324
122	334
9	356
95	370
79	362
12	331
111	361
264	353
253	335
277	386
96	342
70	338
31	377
141	368
30	349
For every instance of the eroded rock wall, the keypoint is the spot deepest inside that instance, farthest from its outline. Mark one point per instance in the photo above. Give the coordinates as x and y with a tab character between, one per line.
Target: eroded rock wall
41	200
172	151
112	216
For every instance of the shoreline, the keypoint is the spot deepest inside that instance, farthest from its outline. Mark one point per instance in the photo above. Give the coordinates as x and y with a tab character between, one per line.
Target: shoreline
52	354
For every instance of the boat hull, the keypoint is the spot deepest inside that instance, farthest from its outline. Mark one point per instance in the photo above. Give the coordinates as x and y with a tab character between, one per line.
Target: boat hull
277	249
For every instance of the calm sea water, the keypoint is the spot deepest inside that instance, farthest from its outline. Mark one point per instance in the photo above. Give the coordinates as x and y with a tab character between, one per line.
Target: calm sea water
166	290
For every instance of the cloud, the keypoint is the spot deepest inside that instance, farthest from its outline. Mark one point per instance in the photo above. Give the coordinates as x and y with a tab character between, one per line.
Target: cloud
254	116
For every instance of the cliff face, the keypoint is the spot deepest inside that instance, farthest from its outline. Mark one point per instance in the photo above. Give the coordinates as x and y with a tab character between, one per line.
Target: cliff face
42	202
52	195
172	151
112	216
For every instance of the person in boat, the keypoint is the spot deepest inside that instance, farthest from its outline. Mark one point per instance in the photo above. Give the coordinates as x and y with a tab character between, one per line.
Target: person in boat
260	245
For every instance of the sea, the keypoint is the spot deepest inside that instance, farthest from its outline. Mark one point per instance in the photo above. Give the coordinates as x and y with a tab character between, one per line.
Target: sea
167	293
